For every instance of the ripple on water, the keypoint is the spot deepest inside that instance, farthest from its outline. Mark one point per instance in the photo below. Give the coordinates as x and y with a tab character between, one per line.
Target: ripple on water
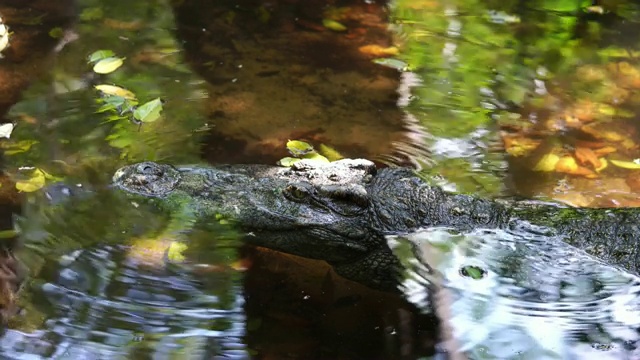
106	307
535	298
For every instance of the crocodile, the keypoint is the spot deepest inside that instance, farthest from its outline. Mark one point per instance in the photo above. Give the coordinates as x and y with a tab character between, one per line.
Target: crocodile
343	211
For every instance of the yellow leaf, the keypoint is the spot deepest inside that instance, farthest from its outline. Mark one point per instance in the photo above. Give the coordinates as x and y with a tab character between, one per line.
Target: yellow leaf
108	65
567	164
116	91
547	163
632	165
287	161
299	148
330	153
314	156
603	165
174	253
333	25
35	182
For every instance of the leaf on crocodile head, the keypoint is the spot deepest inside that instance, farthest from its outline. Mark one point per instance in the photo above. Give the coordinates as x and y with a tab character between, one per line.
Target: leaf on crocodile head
299	148
288	161
314	156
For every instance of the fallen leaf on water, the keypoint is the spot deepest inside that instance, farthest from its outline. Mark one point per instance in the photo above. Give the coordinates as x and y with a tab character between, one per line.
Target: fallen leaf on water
124	25
603	165
377	50
149	111
587	156
35	182
6	130
115	90
631	165
392	63
333	25
108	65
547	163
100	54
605	151
566	164
174	253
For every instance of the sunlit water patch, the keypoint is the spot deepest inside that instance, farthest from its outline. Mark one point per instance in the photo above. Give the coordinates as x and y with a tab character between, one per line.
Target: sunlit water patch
505	295
104	306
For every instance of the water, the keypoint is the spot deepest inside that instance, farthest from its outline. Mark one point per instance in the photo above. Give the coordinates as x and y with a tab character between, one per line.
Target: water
533	297
493	87
104	306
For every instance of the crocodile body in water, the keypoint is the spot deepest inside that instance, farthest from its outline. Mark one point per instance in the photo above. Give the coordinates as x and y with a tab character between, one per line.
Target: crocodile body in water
342	211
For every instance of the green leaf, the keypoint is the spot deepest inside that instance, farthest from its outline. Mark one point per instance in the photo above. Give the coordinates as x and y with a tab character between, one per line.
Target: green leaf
149	111
392	63
288	161
299	148
174	253
100	54
35	182
8	234
108	65
314	156
333	25
56	33
93	13
19	147
330	153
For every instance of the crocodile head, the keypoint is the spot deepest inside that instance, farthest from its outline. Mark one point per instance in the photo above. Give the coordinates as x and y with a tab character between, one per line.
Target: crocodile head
310	209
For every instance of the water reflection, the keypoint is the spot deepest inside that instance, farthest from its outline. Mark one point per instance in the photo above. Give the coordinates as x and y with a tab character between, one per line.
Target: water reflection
103	305
536	298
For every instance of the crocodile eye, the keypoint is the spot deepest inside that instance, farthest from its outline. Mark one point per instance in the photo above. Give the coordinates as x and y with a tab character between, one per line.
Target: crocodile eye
296	192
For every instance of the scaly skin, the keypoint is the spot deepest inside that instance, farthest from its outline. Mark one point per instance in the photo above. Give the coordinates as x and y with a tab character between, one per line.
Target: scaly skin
341	212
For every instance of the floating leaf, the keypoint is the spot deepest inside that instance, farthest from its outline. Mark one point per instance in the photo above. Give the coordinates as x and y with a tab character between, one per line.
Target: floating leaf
377	50
174	253
6	130
587	156
19	147
108	65
93	13
473	272
314	156
566	164
333	25
330	153
547	163
299	148
149	111
392	63
4	36
115	90
100	54
603	165
288	161
8	234
632	165
56	33
35	182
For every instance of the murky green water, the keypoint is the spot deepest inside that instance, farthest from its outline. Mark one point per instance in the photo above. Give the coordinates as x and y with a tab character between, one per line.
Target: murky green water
492	89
